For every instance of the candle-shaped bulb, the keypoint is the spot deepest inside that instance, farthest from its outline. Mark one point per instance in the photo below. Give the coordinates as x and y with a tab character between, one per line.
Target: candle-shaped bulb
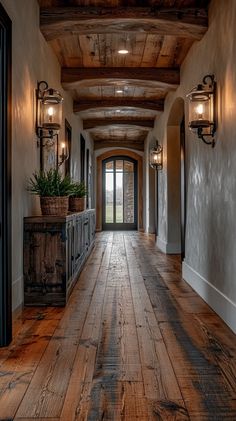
199	110
50	113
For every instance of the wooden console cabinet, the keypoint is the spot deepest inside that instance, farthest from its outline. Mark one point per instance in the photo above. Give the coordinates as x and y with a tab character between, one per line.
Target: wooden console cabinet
55	249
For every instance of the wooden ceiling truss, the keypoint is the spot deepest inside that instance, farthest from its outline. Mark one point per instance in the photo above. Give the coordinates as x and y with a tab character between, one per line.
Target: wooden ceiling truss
119	96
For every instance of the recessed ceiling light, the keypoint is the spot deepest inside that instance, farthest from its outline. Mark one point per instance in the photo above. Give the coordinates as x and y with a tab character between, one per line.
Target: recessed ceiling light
123	51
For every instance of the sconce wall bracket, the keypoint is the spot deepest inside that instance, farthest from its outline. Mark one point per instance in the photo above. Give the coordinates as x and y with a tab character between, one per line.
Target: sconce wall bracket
50	98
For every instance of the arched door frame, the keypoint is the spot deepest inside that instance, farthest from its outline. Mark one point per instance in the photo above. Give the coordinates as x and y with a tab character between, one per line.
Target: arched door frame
110	154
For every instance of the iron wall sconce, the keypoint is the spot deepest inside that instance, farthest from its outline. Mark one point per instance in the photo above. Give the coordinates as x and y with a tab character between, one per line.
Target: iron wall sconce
202	110
64	154
156	157
48	112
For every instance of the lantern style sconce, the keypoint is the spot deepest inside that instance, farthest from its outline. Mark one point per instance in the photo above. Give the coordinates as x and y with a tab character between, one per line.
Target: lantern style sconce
156	157
202	110
48	111
64	154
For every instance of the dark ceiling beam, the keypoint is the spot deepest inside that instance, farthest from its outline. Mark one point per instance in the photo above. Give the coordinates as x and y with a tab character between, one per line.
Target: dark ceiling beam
157	105
57	22
101	122
70	76
139	146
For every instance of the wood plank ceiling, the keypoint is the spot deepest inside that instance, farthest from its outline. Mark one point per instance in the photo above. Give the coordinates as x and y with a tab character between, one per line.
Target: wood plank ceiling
119	96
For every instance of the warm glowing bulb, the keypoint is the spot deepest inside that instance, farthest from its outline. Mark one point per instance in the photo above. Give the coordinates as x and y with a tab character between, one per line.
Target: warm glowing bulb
123	51
119	91
50	111
199	109
63	145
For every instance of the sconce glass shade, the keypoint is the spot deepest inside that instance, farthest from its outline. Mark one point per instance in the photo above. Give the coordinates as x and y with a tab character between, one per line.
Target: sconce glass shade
156	157
202	109
51	110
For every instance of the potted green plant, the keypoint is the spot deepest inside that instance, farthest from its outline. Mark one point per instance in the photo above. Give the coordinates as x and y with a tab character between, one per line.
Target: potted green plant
77	197
53	189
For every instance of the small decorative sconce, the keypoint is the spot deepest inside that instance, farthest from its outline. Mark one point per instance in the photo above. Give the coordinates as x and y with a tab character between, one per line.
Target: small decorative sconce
64	154
48	111
202	109
156	157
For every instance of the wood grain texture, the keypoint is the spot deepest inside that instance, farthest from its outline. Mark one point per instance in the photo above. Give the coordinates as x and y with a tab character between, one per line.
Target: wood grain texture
86	36
81	105
93	123
189	23
117	3
164	76
100	144
55	249
109	356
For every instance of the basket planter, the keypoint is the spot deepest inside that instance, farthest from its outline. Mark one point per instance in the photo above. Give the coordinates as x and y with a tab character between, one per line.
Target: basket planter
76	204
56	205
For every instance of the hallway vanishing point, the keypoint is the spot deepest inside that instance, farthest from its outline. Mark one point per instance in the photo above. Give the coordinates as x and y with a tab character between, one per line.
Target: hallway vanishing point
135	342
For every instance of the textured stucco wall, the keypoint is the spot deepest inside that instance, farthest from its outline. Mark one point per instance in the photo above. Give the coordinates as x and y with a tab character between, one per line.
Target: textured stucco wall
32	60
211	181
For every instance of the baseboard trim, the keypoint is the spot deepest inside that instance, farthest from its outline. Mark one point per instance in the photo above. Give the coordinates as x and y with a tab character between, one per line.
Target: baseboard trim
221	304
168	248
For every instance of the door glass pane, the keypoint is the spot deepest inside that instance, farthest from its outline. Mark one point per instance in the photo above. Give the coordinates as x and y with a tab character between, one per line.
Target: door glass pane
119	165
129	197
109	166
119	197
119	192
128	166
109	180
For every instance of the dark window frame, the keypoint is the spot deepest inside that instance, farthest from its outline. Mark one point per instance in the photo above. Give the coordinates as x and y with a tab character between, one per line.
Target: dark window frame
68	140
82	158
87	177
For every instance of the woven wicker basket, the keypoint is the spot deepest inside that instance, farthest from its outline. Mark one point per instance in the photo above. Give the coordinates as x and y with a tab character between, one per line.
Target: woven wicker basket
76	204
56	205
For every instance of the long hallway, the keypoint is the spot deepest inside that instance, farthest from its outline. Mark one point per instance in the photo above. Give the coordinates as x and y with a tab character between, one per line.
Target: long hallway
135	342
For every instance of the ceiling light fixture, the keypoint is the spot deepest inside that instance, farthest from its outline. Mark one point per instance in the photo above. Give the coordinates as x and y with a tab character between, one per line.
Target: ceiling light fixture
123	51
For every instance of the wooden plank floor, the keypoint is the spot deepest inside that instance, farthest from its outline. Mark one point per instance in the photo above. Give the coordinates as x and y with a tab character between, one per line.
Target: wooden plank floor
135	342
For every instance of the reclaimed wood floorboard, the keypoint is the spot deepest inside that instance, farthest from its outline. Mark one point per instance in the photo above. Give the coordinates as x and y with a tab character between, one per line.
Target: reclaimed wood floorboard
135	342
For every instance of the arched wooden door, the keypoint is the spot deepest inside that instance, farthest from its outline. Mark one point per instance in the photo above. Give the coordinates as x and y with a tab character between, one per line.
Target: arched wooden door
119	209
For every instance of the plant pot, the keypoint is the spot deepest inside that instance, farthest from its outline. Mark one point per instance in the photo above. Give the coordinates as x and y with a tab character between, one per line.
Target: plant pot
76	204
56	205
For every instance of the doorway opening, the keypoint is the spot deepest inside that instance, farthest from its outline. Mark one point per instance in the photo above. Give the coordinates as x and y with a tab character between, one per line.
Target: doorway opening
119	208
5	180
176	180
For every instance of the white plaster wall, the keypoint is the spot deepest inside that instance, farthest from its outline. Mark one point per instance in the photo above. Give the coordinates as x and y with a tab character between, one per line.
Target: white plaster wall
211	181
32	61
